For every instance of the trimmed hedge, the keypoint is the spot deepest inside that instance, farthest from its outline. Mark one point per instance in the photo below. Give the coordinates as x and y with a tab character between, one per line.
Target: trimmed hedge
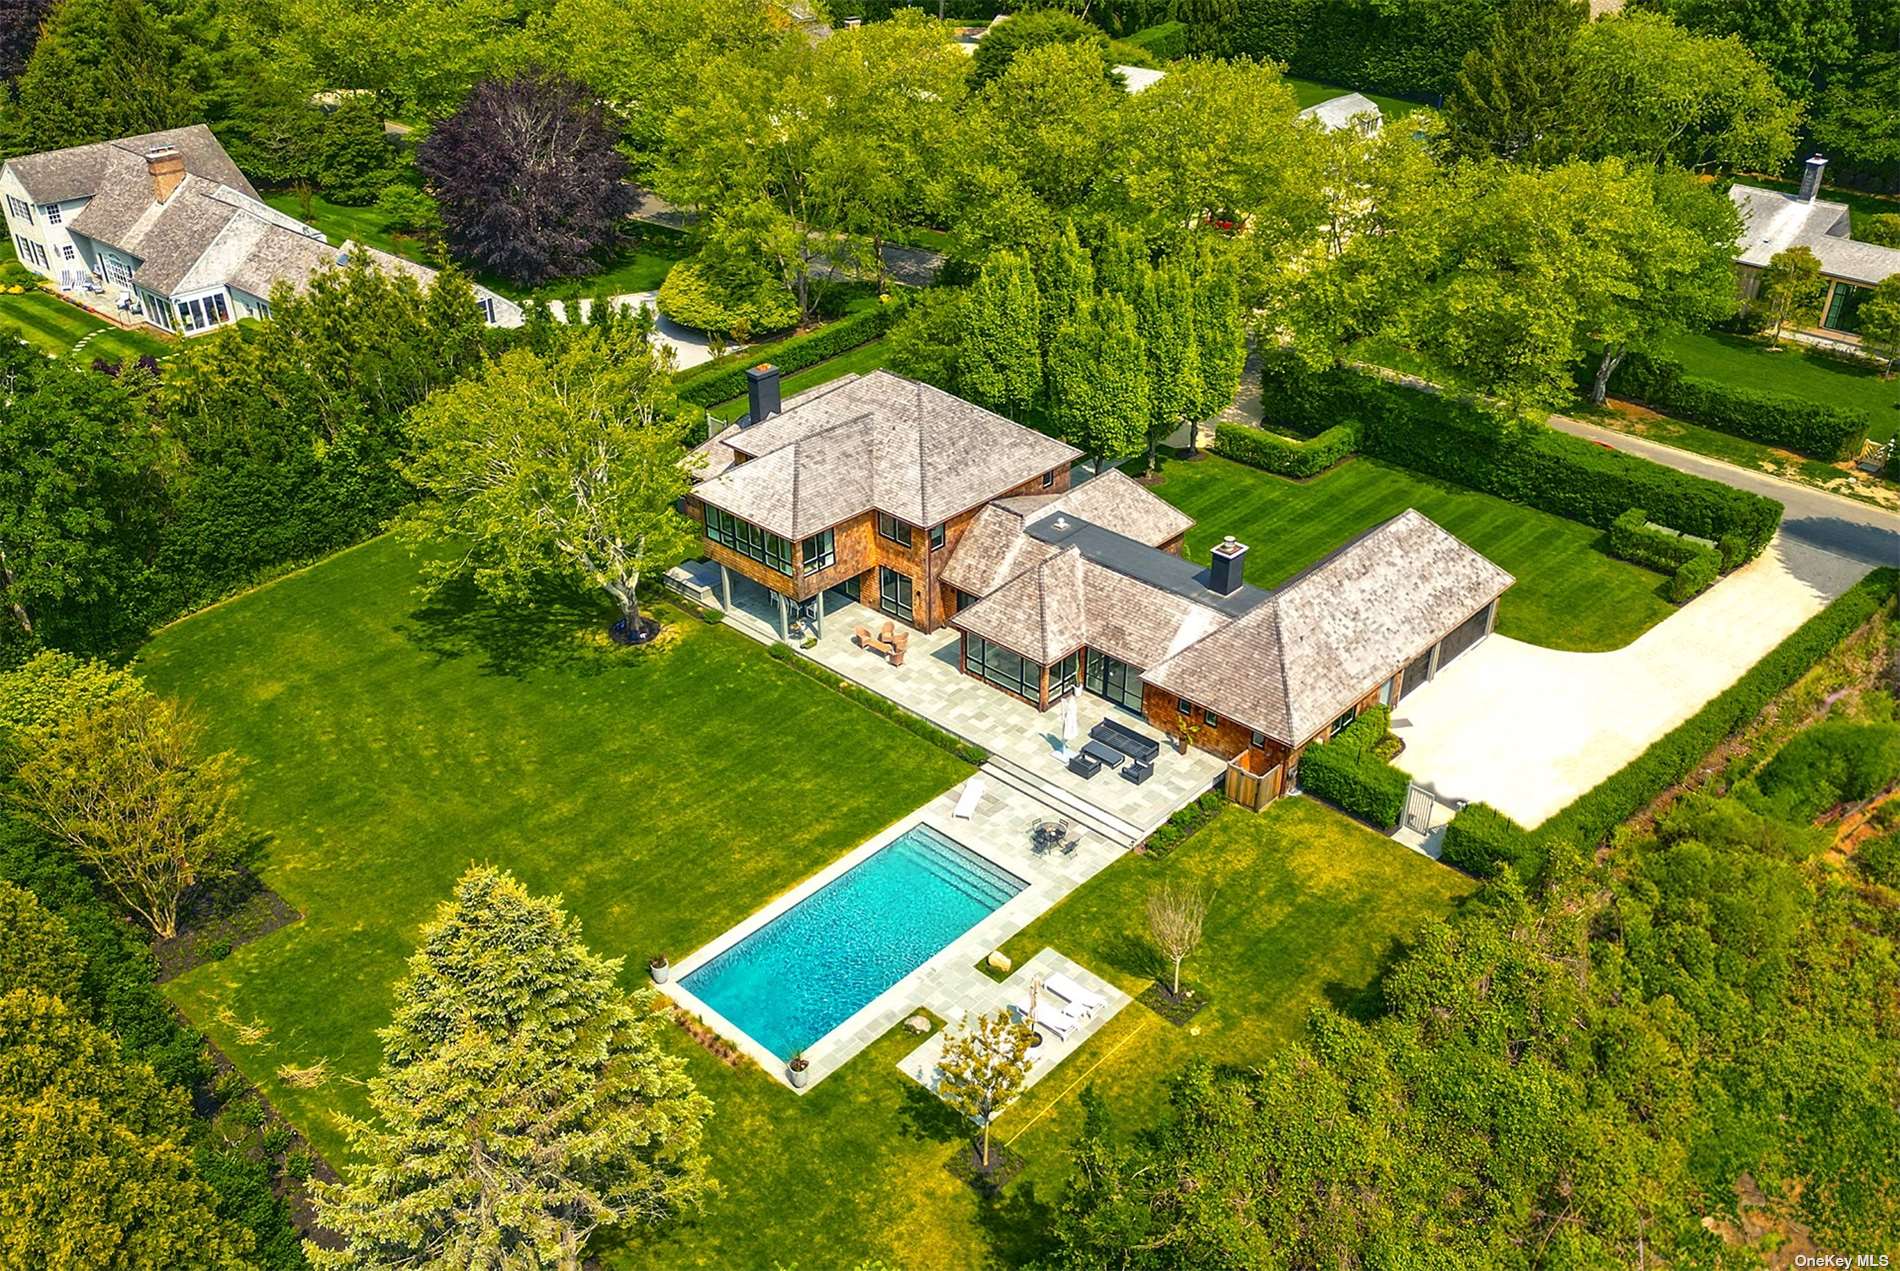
1184	824
1347	774
1288	456
1690	565
917	725
1456	439
1775	419
1480	836
1165	42
1588	820
724	380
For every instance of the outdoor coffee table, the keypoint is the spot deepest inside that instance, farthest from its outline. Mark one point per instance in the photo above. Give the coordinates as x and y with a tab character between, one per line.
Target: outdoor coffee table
1107	755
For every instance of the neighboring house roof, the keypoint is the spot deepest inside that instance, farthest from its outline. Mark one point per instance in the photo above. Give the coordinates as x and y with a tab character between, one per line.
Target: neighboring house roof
996	545
80	172
1332	634
878	441
1773	221
1346	111
1137	78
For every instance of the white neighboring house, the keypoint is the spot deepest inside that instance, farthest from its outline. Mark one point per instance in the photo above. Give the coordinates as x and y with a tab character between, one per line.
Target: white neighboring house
1350	110
164	228
1773	221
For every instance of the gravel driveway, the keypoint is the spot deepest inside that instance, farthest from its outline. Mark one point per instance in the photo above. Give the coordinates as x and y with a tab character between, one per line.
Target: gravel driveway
1528	729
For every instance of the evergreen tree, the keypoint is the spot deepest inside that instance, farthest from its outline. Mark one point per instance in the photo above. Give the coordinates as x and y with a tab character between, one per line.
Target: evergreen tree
102	69
1099	381
1174	356
1521	95
36	950
523	1101
1065	278
1000	364
357	161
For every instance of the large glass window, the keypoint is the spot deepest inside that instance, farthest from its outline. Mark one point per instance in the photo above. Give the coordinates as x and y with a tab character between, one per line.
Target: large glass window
894	594
1063	675
1005	668
1843	309
748	540
1117	681
819	552
890	527
208	311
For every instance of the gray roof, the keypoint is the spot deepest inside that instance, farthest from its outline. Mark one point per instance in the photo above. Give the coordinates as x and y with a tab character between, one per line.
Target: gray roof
996	545
1773	221
1334	633
875	442
54	176
1347	110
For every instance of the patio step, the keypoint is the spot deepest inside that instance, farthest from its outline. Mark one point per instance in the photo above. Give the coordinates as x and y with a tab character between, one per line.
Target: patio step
1081	811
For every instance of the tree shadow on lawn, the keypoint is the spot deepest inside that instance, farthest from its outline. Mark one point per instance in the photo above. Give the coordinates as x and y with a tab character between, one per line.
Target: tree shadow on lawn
1016	1223
1133	953
925	1117
555	627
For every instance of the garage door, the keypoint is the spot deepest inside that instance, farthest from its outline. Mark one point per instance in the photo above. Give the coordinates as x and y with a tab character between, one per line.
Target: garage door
1469	632
1416	674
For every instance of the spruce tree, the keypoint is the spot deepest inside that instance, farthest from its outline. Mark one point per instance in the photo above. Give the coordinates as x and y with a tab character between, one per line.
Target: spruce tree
1001	363
101	69
1521	96
523	1100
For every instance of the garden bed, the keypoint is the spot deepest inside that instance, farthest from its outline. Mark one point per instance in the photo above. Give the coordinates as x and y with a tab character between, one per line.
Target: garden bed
1178	1011
209	932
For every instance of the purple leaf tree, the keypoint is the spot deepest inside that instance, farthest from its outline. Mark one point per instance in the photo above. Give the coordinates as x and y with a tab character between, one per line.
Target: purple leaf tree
528	178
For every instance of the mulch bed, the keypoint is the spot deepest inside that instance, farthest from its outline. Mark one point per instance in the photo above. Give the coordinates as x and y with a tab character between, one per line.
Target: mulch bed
295	1193
1176	1010
205	936
966	1166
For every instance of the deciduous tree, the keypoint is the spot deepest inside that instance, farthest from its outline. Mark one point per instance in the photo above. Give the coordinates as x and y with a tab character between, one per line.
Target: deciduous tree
524	1101
983	1067
1167	313
1791	289
563	466
1175	914
1000	363
355	160
1880	323
1098	380
36	950
130	787
529	180
19	32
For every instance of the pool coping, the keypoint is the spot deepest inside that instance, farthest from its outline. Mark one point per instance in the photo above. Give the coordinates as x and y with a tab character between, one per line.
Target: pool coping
957	959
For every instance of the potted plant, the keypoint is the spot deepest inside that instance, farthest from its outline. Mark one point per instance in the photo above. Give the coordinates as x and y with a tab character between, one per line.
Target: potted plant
799	1070
659	968
1190	732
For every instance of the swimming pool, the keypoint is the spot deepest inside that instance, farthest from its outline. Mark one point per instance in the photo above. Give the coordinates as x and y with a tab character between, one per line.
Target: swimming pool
817	964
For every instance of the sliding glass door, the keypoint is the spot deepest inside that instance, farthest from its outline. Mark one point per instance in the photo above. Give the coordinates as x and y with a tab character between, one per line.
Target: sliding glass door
1117	681
893	593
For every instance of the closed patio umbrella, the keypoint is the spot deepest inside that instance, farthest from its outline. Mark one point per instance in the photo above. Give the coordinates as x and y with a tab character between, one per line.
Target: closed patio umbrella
1070	725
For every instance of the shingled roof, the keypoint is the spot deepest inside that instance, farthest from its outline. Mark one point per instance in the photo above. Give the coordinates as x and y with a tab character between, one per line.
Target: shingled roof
875	442
1773	221
996	546
78	172
1331	635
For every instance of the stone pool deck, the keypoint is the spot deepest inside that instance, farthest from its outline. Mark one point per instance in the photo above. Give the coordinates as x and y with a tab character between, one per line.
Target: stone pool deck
948	982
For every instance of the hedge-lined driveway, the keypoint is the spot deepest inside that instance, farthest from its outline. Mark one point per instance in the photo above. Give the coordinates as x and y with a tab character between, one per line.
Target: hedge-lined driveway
1527	729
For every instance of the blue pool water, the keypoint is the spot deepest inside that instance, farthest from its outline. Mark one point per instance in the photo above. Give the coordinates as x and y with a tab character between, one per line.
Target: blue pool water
815	965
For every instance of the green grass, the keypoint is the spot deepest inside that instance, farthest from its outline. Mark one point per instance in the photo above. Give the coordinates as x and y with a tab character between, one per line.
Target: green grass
366	225
1310	92
53	325
1570	594
393	741
1744	363
865	358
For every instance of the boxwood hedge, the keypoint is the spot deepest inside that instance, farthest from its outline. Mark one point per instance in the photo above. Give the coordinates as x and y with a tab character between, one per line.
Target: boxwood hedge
1288	456
1458	440
724	379
1347	774
1775	419
1482	836
1691	565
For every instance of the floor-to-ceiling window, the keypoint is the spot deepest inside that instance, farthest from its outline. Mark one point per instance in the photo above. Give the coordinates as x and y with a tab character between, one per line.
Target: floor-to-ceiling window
1063	674
1117	681
1843	307
1005	668
894	594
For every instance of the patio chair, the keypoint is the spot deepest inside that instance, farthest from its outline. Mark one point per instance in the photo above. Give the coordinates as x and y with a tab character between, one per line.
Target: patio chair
1084	765
887	634
1081	1001
1137	772
863	636
898	644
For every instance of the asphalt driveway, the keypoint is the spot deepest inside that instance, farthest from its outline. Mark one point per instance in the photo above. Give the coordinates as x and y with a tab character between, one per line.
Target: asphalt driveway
1528	729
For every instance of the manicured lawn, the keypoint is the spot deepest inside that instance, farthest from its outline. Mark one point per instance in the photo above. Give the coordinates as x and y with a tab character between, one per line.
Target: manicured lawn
366	225
865	358
1310	92
1570	594
1745	363
53	326
393	741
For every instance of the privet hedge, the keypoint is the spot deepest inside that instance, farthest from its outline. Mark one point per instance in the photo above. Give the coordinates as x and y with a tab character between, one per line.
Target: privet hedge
1347	774
1690	565
1775	419
1481	836
1523	461
1288	456
724	379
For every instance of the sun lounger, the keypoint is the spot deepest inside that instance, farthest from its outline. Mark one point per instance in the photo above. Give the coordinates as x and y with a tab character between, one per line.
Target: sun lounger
966	802
1081	1001
1050	1018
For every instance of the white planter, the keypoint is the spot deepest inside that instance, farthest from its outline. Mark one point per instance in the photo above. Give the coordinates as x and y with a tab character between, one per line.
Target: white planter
661	971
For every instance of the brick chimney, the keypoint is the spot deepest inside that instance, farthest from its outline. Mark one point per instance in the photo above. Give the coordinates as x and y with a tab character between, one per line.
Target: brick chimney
1229	568
761	391
1811	177
167	167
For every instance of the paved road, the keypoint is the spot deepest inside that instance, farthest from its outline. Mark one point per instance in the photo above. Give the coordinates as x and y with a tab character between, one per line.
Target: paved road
1831	522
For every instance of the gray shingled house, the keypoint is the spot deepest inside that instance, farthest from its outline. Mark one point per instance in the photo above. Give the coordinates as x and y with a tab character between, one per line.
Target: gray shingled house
164	229
910	501
1773	221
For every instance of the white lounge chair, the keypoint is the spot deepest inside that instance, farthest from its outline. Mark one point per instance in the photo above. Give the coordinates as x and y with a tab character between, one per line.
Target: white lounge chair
1081	1001
1050	1017
966	802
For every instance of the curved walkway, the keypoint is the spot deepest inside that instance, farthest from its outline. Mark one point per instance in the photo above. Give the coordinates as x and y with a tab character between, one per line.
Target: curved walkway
1527	729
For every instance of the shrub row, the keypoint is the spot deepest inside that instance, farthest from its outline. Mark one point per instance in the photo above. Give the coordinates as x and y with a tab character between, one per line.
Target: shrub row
1288	456
1184	824
1482	836
725	379
1165	42
1347	774
1775	419
1459	440
1691	566
969	752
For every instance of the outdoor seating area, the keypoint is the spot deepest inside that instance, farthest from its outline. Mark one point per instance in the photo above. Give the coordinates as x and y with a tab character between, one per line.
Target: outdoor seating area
889	641
1112	744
